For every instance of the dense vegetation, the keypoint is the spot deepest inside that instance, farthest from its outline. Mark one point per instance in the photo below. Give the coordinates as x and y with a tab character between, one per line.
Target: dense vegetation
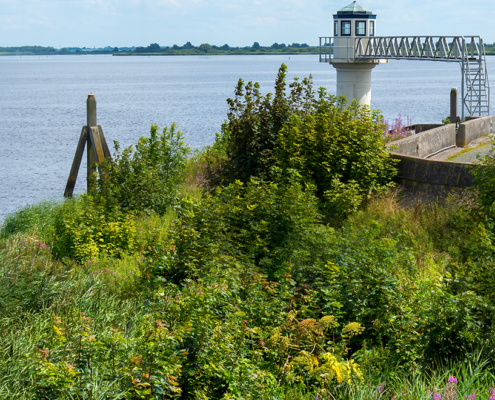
278	263
206	48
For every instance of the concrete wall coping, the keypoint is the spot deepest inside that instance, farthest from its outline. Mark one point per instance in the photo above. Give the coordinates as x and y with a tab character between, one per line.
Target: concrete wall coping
399	155
426	143
473	129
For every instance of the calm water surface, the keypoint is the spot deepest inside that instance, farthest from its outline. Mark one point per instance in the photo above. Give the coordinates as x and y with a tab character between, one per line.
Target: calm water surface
42	104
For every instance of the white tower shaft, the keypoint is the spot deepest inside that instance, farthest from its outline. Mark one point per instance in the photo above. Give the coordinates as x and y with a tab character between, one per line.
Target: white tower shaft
354	82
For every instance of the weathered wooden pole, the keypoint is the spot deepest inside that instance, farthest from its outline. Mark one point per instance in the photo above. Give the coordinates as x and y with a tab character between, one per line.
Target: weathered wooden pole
91	122
453	106
93	139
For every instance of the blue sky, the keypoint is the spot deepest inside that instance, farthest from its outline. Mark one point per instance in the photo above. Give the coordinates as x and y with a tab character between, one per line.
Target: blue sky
100	23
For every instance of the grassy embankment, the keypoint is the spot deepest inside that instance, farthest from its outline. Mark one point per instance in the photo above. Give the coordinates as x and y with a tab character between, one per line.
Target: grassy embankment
231	274
37	289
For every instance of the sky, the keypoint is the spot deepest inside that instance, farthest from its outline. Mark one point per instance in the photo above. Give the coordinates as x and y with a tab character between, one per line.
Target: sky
101	23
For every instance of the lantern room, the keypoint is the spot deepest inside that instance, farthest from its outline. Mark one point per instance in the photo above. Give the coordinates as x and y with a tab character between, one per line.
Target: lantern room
354	20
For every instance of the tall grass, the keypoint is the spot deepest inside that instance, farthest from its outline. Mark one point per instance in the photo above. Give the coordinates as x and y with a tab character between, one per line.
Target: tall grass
38	216
34	289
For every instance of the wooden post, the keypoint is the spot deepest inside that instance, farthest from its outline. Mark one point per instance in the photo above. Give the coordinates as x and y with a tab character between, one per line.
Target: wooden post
71	182
453	106
93	139
91	121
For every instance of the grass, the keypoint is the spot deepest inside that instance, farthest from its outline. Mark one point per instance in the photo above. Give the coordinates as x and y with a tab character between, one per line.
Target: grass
465	151
35	217
33	289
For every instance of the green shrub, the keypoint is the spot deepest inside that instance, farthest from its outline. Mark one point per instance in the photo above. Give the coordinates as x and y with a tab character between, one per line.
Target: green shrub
73	359
258	221
335	146
484	187
147	179
338	148
83	229
251	132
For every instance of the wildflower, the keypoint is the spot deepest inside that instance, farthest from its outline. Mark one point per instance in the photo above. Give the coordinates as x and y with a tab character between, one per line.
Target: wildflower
329	321
437	396
379	388
352	329
307	326
453	380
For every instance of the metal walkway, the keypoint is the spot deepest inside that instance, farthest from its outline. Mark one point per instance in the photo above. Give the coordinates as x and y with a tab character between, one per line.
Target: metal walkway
468	51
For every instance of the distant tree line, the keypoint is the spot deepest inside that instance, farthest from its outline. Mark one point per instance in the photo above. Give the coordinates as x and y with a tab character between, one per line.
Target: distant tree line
206	47
155	48
27	49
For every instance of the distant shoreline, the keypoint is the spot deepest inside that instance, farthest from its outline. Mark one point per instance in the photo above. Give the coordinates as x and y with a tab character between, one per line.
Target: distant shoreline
171	52
155	55
216	54
235	53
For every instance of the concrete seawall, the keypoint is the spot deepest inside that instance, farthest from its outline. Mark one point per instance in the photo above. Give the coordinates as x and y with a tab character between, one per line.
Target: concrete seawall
434	179
431	178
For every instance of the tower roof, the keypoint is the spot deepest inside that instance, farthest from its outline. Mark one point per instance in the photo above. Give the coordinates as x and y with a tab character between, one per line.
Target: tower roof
354	9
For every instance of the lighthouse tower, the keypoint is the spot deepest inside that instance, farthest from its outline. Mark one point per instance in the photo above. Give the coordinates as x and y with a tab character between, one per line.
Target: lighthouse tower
353	75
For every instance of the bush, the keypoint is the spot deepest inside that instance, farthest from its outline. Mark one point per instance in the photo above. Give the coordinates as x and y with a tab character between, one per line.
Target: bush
251	132
339	148
258	222
335	146
83	229
147	179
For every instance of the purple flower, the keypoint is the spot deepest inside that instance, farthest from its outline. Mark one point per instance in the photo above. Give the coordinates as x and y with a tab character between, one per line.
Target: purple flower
453	380
437	396
379	389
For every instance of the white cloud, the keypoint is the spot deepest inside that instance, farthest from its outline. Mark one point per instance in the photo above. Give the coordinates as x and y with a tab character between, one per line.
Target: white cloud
239	22
266	21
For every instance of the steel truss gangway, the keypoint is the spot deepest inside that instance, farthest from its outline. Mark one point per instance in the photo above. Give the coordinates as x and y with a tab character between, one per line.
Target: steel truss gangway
468	51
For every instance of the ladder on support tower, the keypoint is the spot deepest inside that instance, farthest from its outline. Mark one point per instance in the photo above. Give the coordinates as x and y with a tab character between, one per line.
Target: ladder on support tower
477	95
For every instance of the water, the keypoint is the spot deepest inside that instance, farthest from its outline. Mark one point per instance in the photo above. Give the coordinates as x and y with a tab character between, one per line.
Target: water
42	104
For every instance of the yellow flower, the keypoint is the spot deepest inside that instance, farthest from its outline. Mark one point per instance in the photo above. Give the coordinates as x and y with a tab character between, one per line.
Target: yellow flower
352	329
